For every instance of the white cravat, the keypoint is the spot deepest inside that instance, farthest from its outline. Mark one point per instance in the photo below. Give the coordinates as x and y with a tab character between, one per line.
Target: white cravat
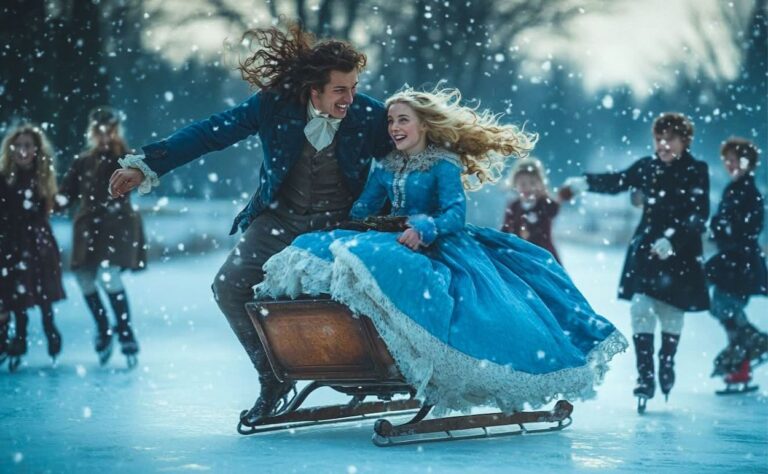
320	128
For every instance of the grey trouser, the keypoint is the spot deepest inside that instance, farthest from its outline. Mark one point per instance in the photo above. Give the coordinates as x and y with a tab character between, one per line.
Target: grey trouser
729	307
645	310
107	277
268	234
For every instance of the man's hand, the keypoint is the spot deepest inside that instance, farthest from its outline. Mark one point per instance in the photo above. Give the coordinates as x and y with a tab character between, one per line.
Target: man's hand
411	239
124	181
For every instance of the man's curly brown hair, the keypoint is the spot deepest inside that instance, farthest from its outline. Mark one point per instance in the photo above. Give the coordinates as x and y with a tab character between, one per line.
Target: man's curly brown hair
294	62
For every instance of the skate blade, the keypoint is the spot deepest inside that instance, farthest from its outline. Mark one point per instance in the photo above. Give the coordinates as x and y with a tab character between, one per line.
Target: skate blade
105	355
641	404
131	360
13	363
737	391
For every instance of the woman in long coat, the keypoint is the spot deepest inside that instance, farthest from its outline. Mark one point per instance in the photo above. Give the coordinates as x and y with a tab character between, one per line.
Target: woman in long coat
30	265
107	233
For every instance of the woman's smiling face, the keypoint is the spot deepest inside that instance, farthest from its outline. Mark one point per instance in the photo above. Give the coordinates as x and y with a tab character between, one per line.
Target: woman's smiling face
407	131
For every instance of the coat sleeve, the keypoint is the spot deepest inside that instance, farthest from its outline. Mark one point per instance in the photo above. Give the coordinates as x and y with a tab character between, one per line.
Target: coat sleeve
616	182
738	221
69	189
214	133
691	219
509	218
382	144
750	224
452	202
372	198
549	208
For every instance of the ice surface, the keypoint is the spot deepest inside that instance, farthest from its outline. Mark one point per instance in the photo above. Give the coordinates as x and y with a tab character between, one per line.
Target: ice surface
177	411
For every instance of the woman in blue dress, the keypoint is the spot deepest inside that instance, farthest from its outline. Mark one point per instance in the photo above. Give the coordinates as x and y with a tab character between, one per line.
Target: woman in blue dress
471	315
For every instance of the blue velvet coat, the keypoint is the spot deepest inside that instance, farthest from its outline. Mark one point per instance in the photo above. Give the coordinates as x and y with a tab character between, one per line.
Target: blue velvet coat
280	124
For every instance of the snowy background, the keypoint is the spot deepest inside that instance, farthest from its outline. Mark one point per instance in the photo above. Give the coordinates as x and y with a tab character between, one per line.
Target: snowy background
588	75
178	409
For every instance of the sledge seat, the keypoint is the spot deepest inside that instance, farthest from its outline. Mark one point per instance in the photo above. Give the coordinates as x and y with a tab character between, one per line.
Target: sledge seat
322	341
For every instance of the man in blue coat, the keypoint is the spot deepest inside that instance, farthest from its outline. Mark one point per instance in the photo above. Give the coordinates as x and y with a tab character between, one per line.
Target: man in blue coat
319	136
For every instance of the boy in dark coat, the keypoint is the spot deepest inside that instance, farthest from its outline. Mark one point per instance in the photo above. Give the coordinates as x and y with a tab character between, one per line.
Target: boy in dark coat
738	270
663	276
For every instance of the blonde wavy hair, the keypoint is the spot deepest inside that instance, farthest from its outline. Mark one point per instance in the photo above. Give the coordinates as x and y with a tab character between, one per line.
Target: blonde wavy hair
481	141
45	167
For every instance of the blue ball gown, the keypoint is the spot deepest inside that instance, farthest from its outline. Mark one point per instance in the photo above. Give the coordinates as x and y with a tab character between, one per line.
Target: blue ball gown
475	317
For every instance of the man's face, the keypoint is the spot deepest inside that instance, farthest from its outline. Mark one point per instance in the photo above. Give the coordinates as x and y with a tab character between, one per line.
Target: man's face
668	146
337	95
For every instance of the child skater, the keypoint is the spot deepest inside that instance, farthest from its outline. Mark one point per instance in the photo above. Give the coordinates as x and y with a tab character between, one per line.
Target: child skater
530	214
448	298
107	233
663	276
30	265
738	270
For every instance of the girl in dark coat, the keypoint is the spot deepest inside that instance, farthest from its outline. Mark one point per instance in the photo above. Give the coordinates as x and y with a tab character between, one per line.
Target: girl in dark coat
30	266
738	270
107	233
663	276
530	214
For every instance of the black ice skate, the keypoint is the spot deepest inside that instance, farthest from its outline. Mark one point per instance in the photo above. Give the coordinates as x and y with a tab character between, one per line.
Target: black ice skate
128	346
646	386
273	399
756	345
16	349
667	353
729	360
54	343
738	382
103	345
3	341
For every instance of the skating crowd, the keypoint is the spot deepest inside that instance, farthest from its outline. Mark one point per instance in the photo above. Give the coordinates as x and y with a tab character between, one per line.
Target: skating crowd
320	139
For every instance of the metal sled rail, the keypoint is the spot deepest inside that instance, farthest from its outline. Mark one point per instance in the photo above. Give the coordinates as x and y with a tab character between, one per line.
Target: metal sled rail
322	341
451	428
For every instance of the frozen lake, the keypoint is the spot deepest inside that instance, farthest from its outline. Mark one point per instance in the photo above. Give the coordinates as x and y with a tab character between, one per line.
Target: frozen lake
178	409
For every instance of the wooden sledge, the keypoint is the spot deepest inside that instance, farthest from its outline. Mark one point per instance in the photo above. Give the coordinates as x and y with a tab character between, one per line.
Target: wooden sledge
321	341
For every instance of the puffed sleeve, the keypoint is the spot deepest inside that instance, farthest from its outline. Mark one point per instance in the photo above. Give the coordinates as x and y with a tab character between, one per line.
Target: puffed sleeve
373	197
452	202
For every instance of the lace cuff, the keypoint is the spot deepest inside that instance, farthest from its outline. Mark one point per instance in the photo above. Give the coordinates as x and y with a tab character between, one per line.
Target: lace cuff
137	162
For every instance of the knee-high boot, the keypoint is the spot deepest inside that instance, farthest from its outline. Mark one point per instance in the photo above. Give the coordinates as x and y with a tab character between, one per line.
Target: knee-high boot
103	340
667	353
646	385
52	334
125	336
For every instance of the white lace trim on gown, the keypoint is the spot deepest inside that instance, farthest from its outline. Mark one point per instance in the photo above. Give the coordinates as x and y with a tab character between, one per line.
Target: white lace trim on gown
442	375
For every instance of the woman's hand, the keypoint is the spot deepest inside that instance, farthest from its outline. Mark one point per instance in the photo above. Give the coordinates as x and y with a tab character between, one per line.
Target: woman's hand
124	181
411	239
